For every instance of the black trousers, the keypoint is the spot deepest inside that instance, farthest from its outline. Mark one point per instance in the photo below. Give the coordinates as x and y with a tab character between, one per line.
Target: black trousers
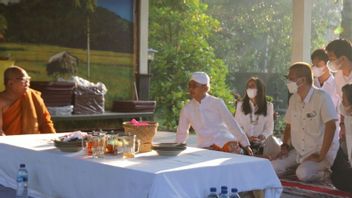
341	175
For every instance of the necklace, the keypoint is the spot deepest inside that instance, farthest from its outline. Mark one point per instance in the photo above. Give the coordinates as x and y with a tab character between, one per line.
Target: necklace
253	122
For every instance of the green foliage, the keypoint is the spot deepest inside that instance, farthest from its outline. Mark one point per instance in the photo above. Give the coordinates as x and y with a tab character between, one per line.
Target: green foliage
346	28
254	35
180	30
326	18
89	5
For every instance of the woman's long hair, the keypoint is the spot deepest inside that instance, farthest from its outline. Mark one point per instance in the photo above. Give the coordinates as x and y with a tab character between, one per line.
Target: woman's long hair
260	99
347	90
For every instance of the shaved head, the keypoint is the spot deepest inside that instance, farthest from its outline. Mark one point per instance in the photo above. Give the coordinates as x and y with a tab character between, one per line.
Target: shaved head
13	72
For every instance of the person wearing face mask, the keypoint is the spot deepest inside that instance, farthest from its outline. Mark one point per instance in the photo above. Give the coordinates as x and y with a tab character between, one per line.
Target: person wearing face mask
322	76
211	120
309	139
341	175
340	60
255	115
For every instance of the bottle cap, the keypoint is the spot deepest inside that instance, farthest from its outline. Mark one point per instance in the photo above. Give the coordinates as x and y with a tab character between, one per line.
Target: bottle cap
22	165
212	189
234	190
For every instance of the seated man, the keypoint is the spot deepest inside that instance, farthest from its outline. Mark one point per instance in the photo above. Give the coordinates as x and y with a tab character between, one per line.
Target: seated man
22	109
323	78
310	126
214	124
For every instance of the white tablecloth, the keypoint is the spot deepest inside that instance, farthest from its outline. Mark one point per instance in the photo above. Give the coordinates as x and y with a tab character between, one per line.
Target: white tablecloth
53	173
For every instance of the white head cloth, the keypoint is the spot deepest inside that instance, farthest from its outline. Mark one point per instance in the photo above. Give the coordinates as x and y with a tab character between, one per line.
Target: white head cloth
201	78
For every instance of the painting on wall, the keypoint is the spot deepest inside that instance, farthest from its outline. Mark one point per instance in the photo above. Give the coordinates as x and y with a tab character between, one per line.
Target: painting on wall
92	39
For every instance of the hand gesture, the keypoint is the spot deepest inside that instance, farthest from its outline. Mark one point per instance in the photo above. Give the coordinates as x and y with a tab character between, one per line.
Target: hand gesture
248	150
253	139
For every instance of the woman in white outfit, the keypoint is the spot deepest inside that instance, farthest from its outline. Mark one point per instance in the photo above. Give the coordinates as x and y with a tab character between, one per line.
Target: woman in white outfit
254	114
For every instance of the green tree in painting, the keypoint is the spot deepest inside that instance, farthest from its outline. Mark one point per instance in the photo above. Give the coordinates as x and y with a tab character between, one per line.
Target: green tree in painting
89	6
180	30
3	25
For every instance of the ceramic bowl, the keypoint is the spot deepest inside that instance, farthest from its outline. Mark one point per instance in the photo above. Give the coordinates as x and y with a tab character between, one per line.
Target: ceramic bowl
73	146
169	149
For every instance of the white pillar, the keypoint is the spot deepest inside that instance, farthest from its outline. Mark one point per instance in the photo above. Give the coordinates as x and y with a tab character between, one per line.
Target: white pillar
143	36
301	30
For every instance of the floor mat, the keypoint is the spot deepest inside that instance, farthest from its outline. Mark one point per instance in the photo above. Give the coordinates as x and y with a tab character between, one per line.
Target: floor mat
302	189
296	188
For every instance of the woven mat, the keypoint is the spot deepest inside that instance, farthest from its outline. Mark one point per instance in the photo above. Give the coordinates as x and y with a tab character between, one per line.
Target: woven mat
301	189
295	188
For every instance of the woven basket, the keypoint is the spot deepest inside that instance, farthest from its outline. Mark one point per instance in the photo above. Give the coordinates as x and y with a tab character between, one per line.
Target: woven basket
144	133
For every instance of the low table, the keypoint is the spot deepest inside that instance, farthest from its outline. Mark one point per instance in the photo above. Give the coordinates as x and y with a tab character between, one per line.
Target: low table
53	173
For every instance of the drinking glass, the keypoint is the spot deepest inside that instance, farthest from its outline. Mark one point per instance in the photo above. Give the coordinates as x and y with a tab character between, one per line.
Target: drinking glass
128	146
112	144
98	146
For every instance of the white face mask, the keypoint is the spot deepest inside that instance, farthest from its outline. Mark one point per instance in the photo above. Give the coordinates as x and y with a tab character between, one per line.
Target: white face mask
292	87
252	93
333	66
318	71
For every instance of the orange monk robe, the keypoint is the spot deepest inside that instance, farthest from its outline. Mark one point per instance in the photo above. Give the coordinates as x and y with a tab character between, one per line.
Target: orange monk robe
27	115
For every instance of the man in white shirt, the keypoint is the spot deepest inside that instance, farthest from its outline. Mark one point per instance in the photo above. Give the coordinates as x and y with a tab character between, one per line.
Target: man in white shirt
310	127
213	123
340	60
322	76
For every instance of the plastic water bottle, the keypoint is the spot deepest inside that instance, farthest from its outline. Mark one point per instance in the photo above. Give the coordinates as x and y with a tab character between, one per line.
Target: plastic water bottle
22	182
224	192
234	193
213	193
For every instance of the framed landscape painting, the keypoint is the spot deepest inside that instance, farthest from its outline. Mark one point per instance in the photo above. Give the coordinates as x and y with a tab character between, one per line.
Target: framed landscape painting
60	38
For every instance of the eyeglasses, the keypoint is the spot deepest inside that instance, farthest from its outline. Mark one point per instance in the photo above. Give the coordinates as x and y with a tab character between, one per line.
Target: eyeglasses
24	79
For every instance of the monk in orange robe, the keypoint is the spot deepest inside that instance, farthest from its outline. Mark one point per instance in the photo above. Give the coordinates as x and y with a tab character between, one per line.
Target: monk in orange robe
22	109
